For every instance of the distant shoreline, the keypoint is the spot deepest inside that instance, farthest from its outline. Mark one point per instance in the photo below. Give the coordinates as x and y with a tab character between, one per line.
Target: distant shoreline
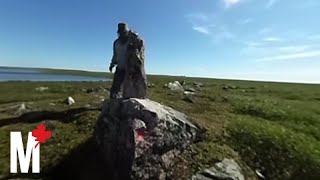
74	72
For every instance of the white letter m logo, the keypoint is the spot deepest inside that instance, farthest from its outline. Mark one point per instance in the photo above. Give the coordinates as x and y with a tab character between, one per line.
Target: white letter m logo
16	148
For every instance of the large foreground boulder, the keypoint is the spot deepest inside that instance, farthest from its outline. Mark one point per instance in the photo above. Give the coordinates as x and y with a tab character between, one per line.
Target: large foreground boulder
140	138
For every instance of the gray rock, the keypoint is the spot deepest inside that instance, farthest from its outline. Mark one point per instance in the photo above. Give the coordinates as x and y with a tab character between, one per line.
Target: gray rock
21	109
225	87
190	89
229	87
41	89
151	85
198	84
140	138
228	169
175	86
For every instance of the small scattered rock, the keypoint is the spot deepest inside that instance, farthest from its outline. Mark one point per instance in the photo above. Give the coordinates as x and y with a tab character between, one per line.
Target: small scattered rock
175	86
227	169
229	87
190	89
188	93
151	85
95	90
259	174
70	101
188	99
41	89
198	84
22	107
52	104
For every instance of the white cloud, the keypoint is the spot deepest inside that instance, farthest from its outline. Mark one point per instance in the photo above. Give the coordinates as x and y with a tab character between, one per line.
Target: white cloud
294	48
245	21
201	29
229	3
271	3
291	56
272	39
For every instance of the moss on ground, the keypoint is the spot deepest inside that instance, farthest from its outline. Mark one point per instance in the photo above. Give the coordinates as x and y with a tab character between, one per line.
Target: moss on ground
272	127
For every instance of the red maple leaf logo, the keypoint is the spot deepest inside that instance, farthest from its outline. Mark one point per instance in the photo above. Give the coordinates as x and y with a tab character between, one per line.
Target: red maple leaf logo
41	134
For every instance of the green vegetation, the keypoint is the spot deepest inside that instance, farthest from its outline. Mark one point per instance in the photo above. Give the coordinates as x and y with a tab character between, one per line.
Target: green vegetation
270	127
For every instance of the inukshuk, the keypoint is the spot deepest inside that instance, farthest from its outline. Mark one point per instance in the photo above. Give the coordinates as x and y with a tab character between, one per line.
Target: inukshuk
135	82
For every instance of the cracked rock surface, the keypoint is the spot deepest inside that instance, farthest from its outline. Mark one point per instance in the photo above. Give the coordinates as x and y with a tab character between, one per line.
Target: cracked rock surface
140	138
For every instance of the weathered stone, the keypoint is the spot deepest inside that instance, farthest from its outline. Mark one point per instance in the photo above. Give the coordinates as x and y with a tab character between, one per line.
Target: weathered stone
190	89
228	169
175	86
41	89
140	138
188	93
198	84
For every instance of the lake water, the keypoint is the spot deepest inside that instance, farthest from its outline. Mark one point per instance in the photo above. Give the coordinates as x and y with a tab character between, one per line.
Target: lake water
21	74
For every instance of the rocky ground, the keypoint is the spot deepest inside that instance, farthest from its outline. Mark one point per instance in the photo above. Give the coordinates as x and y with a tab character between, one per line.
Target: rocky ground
245	130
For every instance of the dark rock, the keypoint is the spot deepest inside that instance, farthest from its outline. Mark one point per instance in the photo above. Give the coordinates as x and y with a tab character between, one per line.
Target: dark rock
140	138
228	169
183	82
90	90
188	99
190	89
135	80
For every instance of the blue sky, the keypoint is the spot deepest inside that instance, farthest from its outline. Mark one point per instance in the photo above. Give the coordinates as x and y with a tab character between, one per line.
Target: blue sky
275	40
